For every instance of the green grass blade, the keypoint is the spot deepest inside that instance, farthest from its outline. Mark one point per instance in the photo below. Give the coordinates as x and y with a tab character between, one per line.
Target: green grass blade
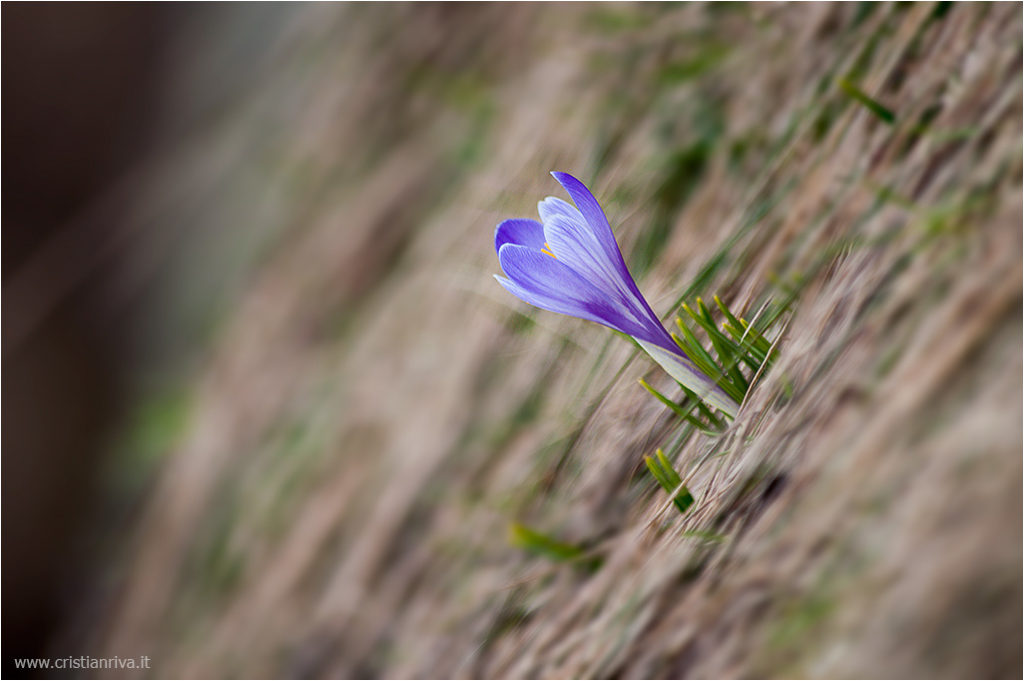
751	354
662	470
542	545
707	536
696	352
872	105
705	410
684	410
673	478
729	353
659	475
706	363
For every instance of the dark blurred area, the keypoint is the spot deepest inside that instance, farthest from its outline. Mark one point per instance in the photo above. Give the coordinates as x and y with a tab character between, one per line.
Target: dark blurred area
153	151
81	86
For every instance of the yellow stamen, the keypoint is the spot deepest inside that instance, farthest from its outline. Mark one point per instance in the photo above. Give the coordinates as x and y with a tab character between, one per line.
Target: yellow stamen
547	249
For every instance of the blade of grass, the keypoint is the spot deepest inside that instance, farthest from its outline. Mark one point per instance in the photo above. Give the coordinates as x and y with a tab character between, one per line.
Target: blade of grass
872	105
683	499
662	470
708	413
729	355
542	545
695	351
686	412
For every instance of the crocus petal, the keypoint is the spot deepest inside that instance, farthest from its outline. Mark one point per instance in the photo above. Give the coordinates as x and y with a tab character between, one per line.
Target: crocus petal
571	242
679	367
552	206
594	216
541	280
520	231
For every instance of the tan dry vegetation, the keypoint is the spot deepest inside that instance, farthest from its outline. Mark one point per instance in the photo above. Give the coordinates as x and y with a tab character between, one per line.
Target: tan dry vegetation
373	411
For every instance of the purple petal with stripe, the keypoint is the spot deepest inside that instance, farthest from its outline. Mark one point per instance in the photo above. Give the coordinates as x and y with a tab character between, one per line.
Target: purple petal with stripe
570	240
595	219
520	231
541	280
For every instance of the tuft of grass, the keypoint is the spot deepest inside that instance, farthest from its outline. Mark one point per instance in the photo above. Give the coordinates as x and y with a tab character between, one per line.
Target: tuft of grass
735	345
739	354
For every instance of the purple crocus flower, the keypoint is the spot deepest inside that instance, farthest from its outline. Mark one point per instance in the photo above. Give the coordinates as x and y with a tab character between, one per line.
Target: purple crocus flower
570	263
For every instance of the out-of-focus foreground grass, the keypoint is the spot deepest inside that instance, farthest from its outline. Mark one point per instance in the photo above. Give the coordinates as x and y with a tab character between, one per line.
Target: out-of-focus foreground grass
347	452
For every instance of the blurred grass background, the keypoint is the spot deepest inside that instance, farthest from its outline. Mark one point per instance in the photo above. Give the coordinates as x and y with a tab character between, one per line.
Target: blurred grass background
269	415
